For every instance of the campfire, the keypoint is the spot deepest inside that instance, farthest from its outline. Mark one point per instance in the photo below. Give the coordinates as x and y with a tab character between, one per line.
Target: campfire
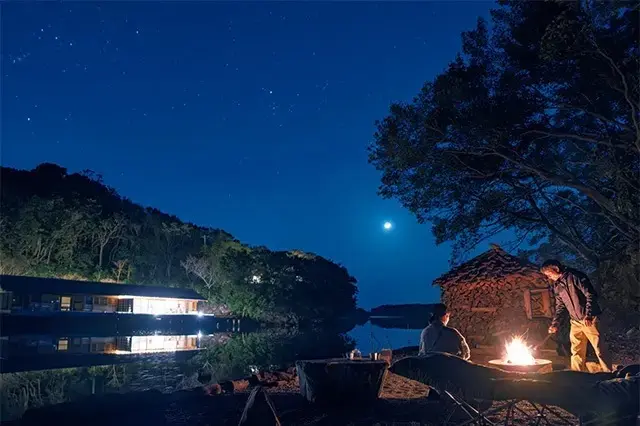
519	357
519	353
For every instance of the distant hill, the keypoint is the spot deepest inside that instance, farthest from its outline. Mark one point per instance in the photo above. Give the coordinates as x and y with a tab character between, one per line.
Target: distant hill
72	225
409	316
412	310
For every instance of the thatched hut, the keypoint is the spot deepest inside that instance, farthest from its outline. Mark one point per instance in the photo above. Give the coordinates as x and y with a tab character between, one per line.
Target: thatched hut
496	294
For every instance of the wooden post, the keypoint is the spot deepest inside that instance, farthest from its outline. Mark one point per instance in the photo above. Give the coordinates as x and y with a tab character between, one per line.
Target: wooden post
527	303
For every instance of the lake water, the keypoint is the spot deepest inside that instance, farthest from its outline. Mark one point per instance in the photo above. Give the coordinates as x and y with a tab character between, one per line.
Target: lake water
43	369
372	338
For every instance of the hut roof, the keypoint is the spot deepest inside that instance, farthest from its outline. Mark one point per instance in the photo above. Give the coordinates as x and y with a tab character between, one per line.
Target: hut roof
490	265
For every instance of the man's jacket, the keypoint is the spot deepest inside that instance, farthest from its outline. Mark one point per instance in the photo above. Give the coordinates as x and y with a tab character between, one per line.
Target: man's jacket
439	338
575	295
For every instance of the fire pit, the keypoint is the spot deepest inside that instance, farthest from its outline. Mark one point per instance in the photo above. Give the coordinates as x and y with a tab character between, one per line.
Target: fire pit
519	357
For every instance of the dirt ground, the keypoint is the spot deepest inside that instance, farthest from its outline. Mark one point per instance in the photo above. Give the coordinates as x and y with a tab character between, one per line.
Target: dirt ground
406	402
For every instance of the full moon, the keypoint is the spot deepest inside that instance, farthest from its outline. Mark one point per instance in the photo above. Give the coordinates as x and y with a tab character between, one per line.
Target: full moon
387	225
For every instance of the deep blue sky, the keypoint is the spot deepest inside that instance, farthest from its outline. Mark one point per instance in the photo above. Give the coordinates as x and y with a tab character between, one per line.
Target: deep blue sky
251	117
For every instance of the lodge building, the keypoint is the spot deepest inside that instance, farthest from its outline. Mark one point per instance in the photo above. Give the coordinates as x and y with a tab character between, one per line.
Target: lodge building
25	295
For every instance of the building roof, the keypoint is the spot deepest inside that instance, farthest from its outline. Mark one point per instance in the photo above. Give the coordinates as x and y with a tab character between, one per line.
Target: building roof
21	284
491	265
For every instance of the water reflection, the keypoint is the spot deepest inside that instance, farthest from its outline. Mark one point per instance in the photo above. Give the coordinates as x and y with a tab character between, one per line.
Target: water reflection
269	349
38	352
376	335
117	345
41	370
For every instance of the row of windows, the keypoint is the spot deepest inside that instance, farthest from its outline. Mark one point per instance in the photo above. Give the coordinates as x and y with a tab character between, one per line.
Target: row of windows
66	300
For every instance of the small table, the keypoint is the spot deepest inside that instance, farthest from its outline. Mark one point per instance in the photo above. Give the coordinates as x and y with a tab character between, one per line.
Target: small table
341	381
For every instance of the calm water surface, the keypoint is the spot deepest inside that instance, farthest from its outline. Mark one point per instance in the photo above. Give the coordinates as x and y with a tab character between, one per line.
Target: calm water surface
43	369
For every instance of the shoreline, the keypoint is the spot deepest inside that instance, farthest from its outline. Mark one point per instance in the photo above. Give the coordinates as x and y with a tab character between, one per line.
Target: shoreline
401	400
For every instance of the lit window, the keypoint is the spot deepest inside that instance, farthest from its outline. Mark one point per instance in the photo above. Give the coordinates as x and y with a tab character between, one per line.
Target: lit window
65	303
143	305
63	344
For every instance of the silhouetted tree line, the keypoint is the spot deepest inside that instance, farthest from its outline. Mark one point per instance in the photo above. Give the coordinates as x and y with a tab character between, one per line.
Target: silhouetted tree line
534	128
56	224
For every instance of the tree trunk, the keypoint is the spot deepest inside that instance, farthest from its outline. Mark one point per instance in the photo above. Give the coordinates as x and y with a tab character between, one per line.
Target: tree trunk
340	382
100	255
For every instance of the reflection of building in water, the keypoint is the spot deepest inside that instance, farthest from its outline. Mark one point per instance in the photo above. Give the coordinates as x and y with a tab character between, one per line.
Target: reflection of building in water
28	294
5	301
127	344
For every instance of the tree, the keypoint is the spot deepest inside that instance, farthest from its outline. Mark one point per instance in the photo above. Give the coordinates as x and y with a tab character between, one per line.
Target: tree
534	128
108	230
173	235
209	266
121	268
201	268
56	224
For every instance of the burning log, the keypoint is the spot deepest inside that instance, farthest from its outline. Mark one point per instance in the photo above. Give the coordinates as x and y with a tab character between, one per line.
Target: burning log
519	357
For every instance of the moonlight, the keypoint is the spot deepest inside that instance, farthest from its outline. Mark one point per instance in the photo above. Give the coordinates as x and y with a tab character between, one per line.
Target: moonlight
387	226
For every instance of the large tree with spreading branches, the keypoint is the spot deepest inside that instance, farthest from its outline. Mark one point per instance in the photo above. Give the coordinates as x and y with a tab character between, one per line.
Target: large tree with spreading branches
534	128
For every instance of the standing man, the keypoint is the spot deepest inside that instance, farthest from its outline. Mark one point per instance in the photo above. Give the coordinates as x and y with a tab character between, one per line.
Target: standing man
437	337
575	295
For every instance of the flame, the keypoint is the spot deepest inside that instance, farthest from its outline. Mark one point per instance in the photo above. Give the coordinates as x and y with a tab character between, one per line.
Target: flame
519	353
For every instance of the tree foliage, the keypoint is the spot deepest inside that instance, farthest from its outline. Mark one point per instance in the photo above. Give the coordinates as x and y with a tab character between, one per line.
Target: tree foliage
71	225
534	128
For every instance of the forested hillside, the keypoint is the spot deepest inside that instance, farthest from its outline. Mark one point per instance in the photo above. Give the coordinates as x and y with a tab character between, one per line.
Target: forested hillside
56	224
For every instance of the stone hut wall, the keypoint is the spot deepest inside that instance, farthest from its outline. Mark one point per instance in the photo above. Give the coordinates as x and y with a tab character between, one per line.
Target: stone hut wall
492	311
486	297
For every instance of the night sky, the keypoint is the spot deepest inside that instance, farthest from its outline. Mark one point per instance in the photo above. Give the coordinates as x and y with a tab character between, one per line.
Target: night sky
250	117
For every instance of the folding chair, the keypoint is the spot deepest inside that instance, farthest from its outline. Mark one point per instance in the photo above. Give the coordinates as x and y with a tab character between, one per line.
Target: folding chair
545	415
626	389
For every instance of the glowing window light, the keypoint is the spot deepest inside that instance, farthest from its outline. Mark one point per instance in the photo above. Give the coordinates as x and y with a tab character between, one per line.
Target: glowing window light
158	306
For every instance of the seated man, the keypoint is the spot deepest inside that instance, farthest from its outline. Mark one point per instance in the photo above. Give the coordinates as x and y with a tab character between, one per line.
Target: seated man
437	337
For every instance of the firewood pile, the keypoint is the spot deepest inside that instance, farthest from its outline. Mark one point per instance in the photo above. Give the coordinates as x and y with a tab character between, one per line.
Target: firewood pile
486	296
